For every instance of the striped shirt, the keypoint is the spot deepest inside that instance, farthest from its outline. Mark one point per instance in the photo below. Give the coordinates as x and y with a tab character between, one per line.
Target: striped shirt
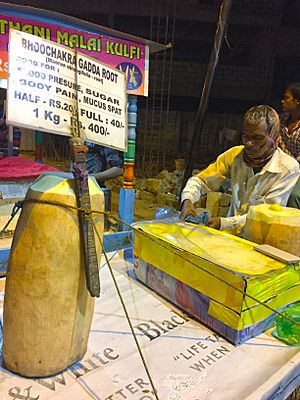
98	158
289	142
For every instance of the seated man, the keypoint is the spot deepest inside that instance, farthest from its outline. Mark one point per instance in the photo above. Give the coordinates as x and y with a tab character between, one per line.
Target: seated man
260	172
99	158
289	140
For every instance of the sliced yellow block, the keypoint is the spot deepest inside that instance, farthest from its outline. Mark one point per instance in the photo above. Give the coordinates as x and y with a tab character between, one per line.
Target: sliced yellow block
255	314
274	225
221	266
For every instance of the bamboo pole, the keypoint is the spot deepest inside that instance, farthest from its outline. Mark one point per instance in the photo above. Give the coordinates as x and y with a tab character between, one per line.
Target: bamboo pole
213	62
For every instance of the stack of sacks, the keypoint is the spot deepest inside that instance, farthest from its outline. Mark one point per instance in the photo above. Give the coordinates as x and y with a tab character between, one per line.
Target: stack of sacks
184	263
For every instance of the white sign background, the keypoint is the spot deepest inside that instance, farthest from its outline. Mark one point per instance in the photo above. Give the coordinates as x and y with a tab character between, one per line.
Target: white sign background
44	92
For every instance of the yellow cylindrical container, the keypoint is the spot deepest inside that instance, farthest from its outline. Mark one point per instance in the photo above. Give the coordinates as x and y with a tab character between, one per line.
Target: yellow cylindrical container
274	225
47	308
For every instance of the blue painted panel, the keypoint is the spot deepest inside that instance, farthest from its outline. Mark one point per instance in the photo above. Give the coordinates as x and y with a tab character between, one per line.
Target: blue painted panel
4	255
126	206
117	241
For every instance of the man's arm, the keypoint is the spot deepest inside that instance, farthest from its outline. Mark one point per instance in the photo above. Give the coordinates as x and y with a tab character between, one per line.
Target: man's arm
114	160
234	224
192	190
210	179
110	173
190	194
278	194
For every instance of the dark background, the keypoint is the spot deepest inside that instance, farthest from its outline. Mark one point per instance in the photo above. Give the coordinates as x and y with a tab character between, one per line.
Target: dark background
260	56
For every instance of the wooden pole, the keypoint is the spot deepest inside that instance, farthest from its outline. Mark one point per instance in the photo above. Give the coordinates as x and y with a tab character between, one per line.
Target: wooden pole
129	156
86	227
10	142
38	156
80	173
213	62
127	192
126	201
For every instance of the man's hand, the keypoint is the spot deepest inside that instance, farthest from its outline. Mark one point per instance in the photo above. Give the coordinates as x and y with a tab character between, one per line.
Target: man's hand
215	222
187	209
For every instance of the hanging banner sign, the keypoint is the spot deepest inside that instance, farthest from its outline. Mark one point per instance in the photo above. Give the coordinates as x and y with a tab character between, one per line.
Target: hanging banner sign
49	82
130	57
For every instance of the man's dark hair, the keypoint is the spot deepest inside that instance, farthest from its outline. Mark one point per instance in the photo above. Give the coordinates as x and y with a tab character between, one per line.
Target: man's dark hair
262	113
295	89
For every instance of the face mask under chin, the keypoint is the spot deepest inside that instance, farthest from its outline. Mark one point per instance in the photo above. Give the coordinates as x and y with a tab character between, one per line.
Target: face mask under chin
258	156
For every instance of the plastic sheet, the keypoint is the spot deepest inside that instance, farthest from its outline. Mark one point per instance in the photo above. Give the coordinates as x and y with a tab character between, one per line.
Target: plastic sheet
166	212
170	214
286	330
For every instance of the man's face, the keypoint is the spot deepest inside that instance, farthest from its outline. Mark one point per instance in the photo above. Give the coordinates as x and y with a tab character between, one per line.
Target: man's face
254	135
289	103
